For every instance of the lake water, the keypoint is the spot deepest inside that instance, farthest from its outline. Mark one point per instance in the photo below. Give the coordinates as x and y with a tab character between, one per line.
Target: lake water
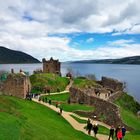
130	74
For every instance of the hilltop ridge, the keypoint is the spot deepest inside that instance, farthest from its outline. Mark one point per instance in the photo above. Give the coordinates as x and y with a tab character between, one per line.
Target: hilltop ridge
125	60
8	56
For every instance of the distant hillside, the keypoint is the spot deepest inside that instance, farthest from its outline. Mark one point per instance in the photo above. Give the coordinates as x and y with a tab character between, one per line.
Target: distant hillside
8	56
126	60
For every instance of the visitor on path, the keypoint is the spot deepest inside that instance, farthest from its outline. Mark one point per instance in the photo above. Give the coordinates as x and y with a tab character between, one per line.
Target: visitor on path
39	99
119	134
88	121
43	99
89	126
95	129
50	102
56	105
123	132
116	131
111	134
61	110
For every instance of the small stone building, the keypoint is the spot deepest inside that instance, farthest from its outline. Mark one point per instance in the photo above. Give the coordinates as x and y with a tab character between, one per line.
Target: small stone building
51	66
16	85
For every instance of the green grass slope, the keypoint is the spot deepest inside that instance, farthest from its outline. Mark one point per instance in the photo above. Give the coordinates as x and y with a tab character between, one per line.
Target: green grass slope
129	107
57	97
63	98
82	82
75	107
26	120
54	82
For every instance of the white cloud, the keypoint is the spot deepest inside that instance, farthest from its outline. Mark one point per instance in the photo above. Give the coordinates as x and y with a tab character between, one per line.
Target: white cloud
121	42
90	40
25	25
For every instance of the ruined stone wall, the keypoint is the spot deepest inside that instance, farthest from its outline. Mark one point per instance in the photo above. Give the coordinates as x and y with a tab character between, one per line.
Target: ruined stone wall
115	96
17	86
102	108
51	66
110	83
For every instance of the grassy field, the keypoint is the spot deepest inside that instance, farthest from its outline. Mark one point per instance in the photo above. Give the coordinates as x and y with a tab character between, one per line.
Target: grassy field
58	97
79	120
53	82
67	107
26	120
103	130
129	116
84	83
74	107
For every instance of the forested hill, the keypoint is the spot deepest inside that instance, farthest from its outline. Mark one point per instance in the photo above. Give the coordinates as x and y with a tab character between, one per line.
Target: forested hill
8	56
125	60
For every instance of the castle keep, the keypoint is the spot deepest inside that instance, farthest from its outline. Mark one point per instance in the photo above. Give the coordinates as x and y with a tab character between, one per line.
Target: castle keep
51	66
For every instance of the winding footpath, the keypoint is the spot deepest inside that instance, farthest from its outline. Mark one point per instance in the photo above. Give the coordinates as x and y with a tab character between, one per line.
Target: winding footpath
67	116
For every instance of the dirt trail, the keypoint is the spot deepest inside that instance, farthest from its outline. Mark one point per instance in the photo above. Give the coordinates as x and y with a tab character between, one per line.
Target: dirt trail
69	85
94	121
67	115
76	125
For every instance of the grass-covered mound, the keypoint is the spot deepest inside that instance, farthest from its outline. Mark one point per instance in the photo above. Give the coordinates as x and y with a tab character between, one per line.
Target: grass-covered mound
129	107
46	82
22	119
82	82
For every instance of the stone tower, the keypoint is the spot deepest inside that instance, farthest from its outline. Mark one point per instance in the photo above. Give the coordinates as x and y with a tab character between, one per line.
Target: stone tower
51	66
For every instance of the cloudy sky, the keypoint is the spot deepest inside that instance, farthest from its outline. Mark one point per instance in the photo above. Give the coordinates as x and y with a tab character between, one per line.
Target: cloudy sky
71	29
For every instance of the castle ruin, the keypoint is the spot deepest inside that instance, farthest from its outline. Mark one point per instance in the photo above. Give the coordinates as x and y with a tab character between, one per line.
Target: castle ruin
16	85
101	97
51	66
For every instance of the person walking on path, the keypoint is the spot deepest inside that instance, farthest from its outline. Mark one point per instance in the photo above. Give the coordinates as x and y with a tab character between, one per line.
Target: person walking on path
88	121
119	134
56	105
95	129
50	102
89	126
111	134
61	110
123	132
116	131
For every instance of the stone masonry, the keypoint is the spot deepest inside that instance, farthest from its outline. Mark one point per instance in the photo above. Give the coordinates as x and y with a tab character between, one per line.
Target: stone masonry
105	109
51	66
16	85
113	84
